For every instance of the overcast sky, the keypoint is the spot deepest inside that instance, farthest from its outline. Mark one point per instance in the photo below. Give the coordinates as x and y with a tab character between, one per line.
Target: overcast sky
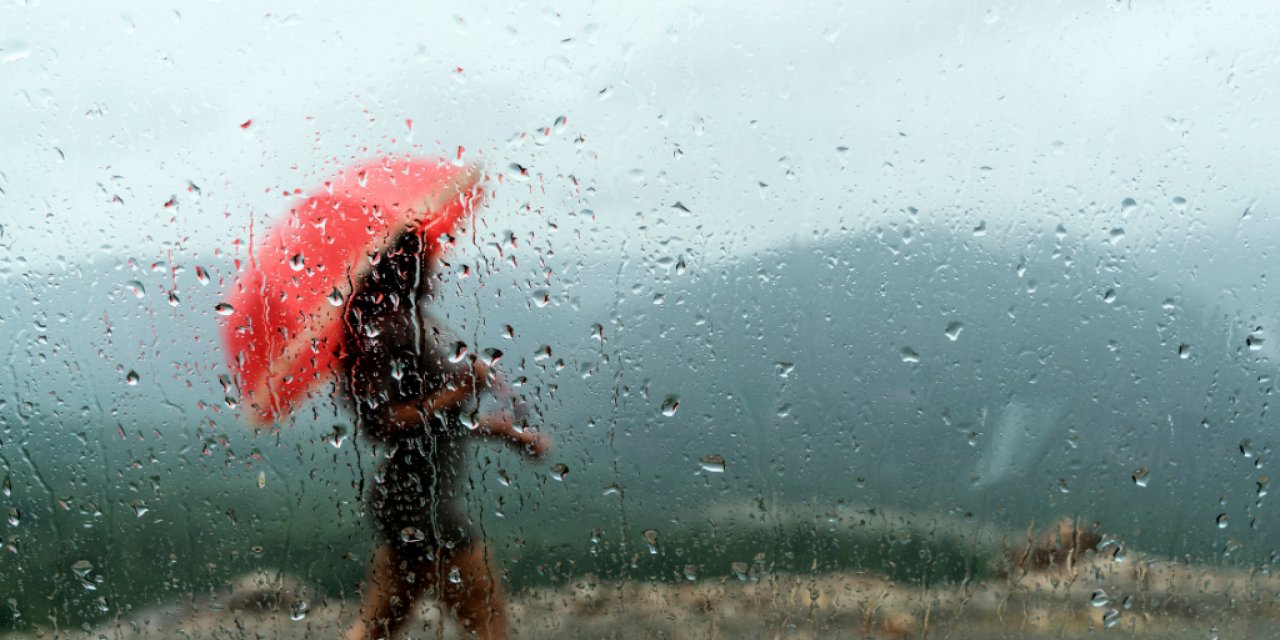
766	122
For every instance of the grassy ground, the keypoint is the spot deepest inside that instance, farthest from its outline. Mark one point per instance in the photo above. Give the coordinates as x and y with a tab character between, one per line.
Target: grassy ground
1135	598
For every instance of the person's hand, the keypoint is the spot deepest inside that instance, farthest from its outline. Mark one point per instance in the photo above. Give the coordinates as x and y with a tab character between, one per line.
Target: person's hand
536	445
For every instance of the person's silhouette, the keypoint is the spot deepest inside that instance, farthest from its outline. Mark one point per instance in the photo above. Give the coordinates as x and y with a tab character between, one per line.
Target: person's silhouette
409	385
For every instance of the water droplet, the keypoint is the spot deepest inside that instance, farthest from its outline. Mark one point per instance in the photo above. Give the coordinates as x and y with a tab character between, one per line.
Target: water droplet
712	463
1127	602
1222	521
1142	476
1262	485
651	538
298	610
202	276
455	576
740	570
1109	296
136	288
131	378
1099	598
691	572
669	406
82	568
15	516
338	436
910	355
559	471
1127	206
262	479
636	175
411	535
1246	448
597	534
560	124
953	331
14	50
518	172
224	309
1254	341
611	489
336	298
1116	235
1111	618
1184	351
981	229
297	262
459	352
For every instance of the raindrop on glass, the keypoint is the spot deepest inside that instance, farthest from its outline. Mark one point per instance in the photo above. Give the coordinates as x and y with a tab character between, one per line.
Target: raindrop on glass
459	352
336	298
669	406
1099	598
953	331
1111	618
1127	206
131	378
712	464
1254	341
224	309
651	539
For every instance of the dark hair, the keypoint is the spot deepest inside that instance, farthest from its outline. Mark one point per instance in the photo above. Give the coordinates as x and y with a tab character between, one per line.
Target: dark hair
399	276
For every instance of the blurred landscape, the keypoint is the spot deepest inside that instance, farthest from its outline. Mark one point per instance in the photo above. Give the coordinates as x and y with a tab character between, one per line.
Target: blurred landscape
832	311
841	406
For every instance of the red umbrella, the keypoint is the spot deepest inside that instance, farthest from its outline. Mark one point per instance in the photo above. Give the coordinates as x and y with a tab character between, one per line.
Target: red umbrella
284	329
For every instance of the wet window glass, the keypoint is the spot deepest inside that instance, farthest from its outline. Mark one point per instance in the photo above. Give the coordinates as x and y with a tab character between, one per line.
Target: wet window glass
677	320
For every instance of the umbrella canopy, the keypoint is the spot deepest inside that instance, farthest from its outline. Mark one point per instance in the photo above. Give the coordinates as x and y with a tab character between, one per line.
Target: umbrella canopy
284	327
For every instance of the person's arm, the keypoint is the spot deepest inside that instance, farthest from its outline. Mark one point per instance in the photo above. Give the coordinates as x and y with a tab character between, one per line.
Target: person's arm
465	386
502	427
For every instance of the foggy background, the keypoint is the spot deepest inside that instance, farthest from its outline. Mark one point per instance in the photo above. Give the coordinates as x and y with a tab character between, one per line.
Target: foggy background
928	260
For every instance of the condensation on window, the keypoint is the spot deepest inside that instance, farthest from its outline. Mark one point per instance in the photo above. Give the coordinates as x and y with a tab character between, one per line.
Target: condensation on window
683	320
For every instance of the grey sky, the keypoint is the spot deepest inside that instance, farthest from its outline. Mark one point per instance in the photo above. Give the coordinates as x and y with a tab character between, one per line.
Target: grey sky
1020	115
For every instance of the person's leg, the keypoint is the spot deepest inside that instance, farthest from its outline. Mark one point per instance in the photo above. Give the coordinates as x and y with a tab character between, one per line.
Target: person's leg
394	586
473	594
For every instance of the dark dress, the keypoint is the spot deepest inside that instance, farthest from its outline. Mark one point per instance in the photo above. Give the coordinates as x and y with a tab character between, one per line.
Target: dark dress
397	354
